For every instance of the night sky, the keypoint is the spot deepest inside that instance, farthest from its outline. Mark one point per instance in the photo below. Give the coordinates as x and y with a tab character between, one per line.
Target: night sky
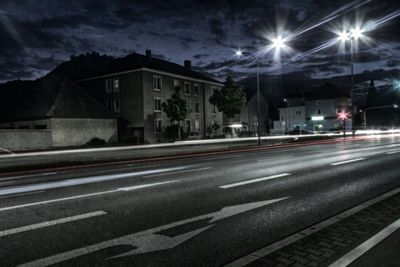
36	36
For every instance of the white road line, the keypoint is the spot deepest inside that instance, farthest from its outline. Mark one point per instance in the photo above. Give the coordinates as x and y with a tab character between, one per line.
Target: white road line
136	187
367	245
271	159
51	223
346	161
77	197
393	152
255	180
177	172
262	252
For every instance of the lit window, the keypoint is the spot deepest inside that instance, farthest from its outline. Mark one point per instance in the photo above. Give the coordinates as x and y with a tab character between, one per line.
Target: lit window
157	104
187	88
116	85
197	125
157	83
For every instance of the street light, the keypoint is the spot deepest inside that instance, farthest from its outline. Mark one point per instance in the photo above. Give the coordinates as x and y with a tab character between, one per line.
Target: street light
257	59
395	106
352	35
277	43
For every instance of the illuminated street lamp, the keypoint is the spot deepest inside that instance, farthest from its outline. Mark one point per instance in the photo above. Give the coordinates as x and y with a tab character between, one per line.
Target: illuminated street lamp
277	43
352	35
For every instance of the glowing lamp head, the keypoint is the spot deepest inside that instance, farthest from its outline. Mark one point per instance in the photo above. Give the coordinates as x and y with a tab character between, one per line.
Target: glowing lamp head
278	42
343	115
344	36
239	52
395	106
356	33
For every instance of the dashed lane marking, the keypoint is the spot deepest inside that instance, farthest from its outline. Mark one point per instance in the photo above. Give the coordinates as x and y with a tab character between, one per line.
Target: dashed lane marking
347	161
255	180
51	223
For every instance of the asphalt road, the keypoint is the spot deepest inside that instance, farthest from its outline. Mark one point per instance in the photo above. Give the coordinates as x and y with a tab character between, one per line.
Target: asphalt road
204	211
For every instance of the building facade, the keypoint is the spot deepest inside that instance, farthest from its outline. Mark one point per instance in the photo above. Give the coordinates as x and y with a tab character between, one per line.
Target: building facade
136	96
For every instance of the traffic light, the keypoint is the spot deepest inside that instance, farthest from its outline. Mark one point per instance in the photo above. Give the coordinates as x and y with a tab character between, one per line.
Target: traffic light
343	115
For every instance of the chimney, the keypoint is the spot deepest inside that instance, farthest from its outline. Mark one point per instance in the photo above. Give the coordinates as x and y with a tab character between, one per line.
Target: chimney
188	65
148	55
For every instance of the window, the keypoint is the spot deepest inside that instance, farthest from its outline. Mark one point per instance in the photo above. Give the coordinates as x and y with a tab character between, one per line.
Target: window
197	125
116	85
298	112
189	105
41	126
177	83
187	126
116	105
157	104
157	83
187	88
197	107
339	111
110	104
108	86
157	125
318	103
319	111
196	89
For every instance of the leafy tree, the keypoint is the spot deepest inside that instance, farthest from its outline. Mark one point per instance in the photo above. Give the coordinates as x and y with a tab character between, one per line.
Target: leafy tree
176	109
229	100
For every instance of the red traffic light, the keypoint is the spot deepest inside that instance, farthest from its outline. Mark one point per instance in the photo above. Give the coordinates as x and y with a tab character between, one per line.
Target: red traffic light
343	115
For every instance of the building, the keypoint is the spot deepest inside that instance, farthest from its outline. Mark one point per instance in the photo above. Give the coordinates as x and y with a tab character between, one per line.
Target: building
317	111
57	109
135	86
247	120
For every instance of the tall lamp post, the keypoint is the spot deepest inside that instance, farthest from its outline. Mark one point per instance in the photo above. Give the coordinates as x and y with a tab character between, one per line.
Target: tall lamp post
352	35
277	43
377	107
257	60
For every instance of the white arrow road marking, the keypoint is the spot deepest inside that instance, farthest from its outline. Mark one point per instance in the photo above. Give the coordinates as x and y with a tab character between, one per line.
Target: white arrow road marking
80	181
347	161
255	180
50	223
148	241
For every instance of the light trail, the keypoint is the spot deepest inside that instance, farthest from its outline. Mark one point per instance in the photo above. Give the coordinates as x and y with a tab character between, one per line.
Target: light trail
372	25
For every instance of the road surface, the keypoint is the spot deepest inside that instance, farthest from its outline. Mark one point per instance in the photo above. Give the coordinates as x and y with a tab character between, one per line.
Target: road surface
211	211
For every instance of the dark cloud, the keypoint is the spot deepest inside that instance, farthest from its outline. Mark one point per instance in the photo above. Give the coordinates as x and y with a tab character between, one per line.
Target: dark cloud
35	35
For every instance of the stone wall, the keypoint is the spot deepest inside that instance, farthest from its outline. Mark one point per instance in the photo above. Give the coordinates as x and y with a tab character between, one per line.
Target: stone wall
16	140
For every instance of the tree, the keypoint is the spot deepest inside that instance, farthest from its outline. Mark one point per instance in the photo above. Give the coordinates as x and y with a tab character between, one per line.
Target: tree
176	109
229	100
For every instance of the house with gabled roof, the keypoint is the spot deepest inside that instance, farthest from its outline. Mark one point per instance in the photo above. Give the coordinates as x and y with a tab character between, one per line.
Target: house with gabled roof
57	105
134	88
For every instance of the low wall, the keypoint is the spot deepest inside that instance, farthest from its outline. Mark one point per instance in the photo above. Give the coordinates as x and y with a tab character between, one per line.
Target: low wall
25	139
